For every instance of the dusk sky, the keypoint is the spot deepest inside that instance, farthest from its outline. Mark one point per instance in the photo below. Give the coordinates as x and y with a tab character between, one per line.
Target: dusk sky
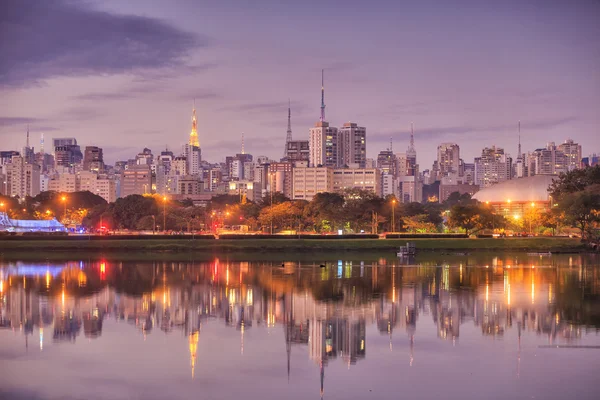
123	75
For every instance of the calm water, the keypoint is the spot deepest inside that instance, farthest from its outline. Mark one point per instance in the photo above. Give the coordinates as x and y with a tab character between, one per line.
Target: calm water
450	327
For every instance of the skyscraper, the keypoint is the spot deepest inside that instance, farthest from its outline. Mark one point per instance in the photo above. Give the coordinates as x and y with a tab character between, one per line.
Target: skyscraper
93	159
448	158
353	141
572	151
492	167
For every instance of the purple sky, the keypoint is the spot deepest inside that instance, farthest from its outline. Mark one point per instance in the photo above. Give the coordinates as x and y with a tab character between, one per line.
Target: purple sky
123	75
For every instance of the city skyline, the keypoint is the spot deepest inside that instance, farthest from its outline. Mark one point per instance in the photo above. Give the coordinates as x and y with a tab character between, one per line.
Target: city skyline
469	92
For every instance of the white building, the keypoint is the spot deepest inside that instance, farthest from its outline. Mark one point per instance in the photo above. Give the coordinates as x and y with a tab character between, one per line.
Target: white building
492	167
308	181
389	186
357	178
22	179
572	151
324	145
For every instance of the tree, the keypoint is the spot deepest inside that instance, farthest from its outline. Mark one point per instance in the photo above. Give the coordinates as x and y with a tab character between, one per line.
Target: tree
457	198
127	211
574	181
582	209
471	217
326	211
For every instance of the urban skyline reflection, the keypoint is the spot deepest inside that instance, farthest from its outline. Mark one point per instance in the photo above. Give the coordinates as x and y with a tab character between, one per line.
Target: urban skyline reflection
325	312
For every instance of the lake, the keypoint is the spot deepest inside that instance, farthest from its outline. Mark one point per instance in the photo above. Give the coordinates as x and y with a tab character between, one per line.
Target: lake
300	326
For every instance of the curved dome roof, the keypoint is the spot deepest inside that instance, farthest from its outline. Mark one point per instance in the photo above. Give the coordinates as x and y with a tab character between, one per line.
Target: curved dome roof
532	188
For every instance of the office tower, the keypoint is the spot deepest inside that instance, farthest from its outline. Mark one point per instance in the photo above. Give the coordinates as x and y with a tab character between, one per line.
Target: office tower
64	142
297	150
136	179
93	159
492	167
145	157
386	162
324	143
357	178
572	151
550	160
448	159
193	157
279	177
22	179
179	166
353	141
308	181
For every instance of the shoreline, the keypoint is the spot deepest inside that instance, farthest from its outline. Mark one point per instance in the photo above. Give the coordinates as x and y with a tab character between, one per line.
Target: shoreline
185	245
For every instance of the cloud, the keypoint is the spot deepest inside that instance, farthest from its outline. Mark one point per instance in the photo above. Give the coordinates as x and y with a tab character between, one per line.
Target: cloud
276	107
45	39
11	121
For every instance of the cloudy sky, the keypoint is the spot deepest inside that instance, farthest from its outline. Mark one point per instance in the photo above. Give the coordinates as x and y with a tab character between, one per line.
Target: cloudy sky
123	74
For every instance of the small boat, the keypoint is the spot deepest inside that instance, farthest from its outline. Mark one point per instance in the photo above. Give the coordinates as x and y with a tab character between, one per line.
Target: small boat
406	251
547	253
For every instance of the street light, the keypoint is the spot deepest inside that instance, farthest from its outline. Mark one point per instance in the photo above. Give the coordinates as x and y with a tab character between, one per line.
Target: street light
393	220
64	200
153	224
164	213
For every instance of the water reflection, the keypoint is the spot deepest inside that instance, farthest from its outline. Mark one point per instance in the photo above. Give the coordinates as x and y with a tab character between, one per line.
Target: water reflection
325	310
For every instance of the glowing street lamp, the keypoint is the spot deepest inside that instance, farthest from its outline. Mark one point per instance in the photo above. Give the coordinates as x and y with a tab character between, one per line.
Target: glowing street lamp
393	219
164	213
64	200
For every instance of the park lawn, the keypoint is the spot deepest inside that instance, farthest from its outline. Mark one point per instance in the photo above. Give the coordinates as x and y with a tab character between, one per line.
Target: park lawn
296	245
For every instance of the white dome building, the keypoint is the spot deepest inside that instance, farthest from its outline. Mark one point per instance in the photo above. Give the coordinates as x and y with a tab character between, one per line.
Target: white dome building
513	197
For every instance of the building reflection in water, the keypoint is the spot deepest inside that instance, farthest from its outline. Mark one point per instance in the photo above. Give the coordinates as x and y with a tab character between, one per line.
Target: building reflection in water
327	310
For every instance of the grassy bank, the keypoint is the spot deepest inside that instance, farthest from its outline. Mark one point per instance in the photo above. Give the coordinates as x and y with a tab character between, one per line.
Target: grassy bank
298	245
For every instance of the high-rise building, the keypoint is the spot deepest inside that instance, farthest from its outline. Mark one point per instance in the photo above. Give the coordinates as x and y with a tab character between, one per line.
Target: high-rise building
353	141
136	179
324	145
297	150
93	159
279	177
448	158
386	162
357	178
67	155
64	142
22	179
308	181
193	157
492	167
549	160
179	166
572	151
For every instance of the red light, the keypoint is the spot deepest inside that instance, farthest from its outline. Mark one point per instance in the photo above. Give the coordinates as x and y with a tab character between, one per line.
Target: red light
241	218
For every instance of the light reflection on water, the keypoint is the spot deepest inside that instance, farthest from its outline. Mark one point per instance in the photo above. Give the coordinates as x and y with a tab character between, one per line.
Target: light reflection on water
435	326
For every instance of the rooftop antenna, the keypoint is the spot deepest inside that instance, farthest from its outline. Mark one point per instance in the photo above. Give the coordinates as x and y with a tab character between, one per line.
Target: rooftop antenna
42	143
27	142
243	143
391	147
288	138
322	95
412	136
519	151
